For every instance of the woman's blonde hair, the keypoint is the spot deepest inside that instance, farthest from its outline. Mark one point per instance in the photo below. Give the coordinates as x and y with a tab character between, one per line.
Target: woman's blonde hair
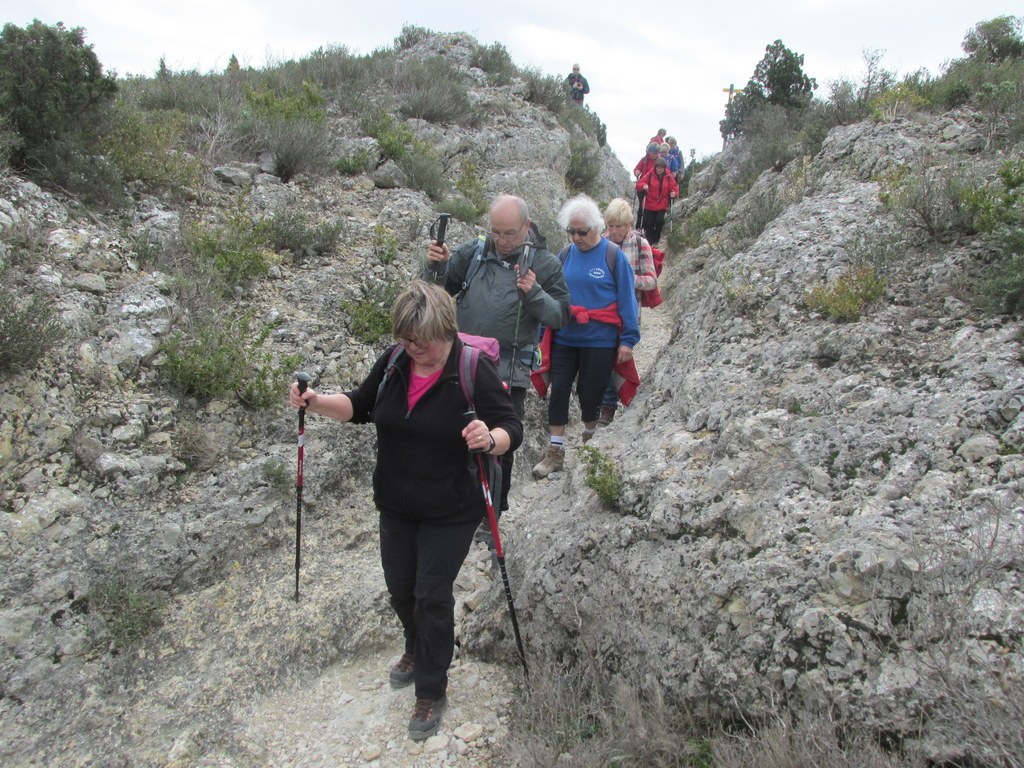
618	212
425	312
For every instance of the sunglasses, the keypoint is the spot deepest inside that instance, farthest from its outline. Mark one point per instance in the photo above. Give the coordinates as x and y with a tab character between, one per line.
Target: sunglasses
577	232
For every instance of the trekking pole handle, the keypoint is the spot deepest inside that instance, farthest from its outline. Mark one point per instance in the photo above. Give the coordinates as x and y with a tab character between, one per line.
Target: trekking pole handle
442	226
467	417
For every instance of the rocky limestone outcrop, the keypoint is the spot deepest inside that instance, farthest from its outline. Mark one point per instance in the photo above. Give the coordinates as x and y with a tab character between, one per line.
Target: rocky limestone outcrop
828	514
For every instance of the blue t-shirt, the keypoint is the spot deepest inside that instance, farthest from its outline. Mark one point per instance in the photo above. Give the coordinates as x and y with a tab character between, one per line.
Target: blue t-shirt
591	286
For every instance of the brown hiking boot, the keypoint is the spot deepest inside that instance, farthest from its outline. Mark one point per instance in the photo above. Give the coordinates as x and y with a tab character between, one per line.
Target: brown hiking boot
588	433
553	461
426	718
402	673
607	415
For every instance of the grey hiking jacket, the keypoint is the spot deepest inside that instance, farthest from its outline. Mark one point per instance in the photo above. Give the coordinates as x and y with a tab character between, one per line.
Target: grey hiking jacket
491	302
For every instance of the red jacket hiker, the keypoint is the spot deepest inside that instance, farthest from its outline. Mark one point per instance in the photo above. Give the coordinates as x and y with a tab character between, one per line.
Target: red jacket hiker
659	189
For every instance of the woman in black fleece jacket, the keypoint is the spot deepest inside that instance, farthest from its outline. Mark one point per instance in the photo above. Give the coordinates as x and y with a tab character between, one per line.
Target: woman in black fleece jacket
424	485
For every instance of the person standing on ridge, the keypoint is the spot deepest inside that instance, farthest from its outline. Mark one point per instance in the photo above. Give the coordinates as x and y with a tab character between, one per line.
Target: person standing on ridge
578	86
507	285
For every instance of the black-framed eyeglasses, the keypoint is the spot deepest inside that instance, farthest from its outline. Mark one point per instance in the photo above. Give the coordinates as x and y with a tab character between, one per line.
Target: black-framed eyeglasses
577	232
506	234
417	343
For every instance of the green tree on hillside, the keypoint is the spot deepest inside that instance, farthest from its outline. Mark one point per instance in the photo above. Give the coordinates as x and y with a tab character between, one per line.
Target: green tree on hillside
52	89
995	40
778	79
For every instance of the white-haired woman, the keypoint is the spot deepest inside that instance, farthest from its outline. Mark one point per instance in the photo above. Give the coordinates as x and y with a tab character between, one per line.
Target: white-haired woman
604	329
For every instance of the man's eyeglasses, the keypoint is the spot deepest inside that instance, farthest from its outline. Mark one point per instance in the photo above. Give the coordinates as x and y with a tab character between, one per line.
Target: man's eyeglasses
506	234
577	232
417	343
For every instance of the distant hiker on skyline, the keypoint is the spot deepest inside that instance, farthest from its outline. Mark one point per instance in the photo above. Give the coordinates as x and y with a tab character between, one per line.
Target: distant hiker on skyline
578	86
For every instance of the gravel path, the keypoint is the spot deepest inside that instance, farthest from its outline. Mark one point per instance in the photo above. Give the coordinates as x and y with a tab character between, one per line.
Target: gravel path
350	716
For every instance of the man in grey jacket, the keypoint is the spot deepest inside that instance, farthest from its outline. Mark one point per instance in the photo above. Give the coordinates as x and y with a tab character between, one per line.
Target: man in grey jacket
505	287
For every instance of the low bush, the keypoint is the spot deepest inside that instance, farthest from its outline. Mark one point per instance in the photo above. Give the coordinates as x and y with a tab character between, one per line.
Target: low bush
472	187
29	330
393	138
695	225
292	230
424	170
462	209
602	476
277	475
384	243
192	445
546	91
433	90
846	298
237	247
360	160
933	199
999	213
219	356
145	146
370	318
496	61
129	611
584	165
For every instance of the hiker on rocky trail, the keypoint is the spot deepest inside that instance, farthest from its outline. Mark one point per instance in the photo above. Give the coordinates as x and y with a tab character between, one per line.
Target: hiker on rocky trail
602	334
675	158
646	165
658	138
507	285
578	86
619	229
424	486
660	188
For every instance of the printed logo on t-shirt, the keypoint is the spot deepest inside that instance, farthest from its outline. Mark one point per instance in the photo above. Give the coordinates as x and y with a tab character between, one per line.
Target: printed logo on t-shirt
597	273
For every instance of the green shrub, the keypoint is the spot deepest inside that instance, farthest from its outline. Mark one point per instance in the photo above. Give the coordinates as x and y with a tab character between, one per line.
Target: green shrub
496	61
411	36
472	187
847	297
145	147
588	122
29	330
935	200
129	611
370	318
897	102
277	475
433	90
384	244
602	476
584	165
701	220
394	139
291	230
296	146
238	247
360	160
462	209
70	165
546	91
220	355
52	88
424	170
999	212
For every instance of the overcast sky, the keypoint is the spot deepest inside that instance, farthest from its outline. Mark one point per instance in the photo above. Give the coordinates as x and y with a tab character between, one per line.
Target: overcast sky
647	69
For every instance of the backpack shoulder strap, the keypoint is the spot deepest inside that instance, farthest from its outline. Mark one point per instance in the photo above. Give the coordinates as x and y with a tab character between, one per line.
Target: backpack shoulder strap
475	261
389	370
610	256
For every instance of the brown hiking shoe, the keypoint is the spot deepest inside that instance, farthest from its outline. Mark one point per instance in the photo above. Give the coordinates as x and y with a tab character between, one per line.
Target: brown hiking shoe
553	461
402	673
426	718
607	415
588	433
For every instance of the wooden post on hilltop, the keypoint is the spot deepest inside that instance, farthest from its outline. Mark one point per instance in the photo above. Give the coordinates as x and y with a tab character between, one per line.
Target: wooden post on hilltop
732	92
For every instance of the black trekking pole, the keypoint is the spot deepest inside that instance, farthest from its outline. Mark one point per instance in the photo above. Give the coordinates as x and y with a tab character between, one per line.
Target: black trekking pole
499	551
441	224
303	379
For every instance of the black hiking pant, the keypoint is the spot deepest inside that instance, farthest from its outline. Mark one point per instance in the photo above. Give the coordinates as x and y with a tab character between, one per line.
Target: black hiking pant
652	224
421	560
